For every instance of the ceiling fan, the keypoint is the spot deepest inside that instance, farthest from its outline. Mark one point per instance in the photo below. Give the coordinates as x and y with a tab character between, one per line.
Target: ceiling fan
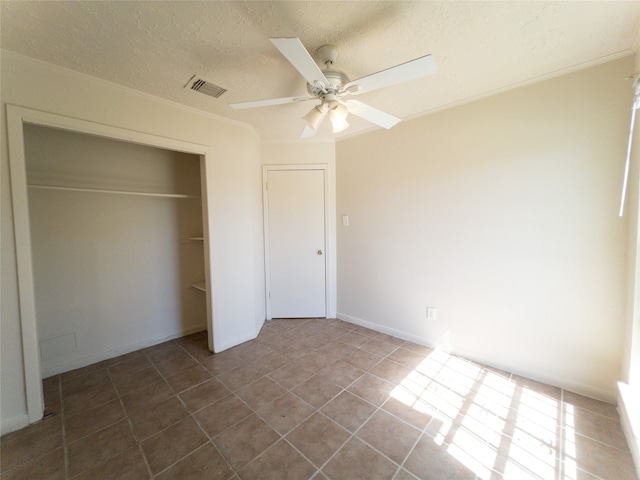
332	85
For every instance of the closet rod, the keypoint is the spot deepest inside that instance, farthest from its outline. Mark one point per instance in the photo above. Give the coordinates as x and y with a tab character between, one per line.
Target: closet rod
117	192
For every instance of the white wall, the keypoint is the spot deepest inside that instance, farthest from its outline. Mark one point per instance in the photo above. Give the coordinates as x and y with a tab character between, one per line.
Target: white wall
502	214
233	183
111	272
309	152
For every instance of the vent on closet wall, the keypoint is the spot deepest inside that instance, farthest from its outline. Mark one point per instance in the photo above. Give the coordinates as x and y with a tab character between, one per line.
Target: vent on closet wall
201	85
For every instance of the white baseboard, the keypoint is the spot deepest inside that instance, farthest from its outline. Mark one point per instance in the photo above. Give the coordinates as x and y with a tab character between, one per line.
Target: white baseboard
382	329
543	377
8	425
629	410
98	357
540	376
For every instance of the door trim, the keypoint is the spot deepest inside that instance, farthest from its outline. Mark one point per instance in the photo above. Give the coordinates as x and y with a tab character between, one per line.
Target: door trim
329	246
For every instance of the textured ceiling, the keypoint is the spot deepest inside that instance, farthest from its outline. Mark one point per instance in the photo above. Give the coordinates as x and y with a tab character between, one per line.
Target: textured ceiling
479	48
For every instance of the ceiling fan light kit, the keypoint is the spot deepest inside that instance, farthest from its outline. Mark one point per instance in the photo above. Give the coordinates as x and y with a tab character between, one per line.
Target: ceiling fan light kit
338	116
338	127
330	85
315	116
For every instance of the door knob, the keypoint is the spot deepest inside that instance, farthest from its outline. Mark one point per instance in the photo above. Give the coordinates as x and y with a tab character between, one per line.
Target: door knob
319	252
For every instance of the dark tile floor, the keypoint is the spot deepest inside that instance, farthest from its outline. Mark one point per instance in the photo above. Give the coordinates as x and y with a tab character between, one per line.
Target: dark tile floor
319	399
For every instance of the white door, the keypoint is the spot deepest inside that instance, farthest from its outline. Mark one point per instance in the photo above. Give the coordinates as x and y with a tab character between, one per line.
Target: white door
295	231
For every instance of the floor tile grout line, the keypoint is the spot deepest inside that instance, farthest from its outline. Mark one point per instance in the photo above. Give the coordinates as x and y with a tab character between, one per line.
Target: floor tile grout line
422	433
210	438
98	431
379	408
591	412
561	433
469	396
510	436
284	439
254	412
291	360
353	434
283	436
140	441
613	447
62	425
596	477
200	447
137	441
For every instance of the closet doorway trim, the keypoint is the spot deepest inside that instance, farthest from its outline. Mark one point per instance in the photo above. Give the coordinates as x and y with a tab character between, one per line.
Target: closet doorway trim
16	118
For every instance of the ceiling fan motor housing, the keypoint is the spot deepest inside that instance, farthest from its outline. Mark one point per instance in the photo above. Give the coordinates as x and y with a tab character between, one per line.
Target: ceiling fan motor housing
336	78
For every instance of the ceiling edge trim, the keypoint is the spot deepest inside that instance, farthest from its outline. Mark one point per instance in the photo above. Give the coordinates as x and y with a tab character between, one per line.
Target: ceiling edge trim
123	88
506	88
299	141
524	83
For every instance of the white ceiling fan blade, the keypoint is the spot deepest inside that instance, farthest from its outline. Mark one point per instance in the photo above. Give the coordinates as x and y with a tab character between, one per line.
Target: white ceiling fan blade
269	102
298	56
371	114
413	69
308	132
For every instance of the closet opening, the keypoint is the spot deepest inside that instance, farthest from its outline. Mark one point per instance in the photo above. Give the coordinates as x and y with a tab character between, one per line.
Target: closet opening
117	245
112	241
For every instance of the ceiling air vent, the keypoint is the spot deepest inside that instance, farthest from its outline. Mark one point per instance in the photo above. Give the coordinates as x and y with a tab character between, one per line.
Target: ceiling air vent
204	86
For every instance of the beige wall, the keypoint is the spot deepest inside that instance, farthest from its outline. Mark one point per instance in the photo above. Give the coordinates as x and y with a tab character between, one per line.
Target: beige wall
502	214
233	184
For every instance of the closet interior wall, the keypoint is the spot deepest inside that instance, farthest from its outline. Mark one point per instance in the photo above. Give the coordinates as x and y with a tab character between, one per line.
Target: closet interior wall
116	232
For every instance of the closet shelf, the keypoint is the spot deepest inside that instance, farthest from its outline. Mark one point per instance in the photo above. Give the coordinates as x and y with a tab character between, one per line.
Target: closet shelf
200	286
191	241
117	192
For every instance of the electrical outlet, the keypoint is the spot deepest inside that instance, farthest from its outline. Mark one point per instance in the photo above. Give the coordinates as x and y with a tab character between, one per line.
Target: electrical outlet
431	313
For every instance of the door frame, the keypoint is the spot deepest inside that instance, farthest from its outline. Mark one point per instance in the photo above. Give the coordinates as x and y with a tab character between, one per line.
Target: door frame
17	117
329	245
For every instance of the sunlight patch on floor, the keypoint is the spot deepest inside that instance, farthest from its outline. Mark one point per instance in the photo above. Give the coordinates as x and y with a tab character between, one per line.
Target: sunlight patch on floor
486	421
569	444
